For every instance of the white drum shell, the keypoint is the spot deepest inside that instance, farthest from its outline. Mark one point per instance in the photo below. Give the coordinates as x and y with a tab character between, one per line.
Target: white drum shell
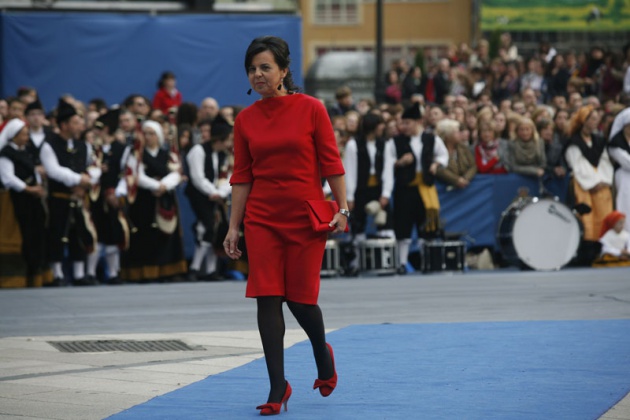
331	263
378	256
546	235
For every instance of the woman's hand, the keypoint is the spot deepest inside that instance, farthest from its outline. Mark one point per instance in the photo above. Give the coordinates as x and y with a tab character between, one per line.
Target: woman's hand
462	182
340	222
230	244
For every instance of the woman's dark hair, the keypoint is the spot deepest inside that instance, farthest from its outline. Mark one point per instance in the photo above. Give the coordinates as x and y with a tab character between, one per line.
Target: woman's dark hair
369	123
280	50
164	77
186	114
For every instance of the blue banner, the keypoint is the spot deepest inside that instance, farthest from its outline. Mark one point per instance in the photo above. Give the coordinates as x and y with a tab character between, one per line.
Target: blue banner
113	55
477	209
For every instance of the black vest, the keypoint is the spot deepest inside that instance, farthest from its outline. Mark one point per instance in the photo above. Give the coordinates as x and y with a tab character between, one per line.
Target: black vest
23	164
406	174
74	159
209	168
593	153
112	159
364	163
156	167
34	150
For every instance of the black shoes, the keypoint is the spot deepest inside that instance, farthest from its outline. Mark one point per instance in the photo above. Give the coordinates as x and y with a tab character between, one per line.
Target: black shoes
193	275
406	269
214	276
57	282
86	281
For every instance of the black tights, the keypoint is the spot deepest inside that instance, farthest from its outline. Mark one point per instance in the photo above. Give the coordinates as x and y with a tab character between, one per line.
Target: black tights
271	328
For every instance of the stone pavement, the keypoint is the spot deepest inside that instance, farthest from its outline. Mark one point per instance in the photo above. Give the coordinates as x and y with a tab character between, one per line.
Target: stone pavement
39	382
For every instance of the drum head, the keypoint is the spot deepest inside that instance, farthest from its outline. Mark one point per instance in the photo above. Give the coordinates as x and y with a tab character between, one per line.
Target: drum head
546	235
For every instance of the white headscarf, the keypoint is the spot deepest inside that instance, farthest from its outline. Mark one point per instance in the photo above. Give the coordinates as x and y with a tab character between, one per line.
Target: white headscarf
621	120
157	128
11	130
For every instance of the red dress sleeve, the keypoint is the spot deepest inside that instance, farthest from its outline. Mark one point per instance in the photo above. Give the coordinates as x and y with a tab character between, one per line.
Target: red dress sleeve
325	143
242	157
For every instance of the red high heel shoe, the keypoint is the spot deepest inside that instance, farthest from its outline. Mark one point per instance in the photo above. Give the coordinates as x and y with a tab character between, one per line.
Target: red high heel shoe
328	386
271	409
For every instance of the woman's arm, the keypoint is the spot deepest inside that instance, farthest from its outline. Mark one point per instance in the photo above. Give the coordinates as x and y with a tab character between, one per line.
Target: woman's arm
338	187
240	192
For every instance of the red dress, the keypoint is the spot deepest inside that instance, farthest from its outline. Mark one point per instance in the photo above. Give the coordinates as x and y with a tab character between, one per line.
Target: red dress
283	146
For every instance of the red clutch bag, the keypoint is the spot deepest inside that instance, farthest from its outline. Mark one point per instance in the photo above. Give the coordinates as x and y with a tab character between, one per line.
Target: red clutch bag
321	213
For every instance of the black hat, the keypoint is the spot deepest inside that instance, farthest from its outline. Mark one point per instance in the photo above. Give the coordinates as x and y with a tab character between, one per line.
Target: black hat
412	113
221	128
36	104
65	111
109	120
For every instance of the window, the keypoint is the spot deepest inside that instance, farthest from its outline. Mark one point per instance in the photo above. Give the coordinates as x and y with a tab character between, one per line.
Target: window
336	12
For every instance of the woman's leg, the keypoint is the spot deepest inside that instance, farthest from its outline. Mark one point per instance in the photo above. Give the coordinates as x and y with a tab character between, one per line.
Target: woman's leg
271	329
310	319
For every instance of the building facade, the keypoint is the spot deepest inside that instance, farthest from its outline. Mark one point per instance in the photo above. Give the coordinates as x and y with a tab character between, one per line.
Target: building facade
350	25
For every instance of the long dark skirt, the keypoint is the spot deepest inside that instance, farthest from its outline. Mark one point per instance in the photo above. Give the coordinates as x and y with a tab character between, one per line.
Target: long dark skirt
152	254
23	245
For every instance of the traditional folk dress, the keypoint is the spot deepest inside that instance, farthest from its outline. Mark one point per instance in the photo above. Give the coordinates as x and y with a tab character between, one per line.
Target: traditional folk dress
363	162
156	249
111	226
415	197
615	245
70	224
591	166
619	150
22	222
208	176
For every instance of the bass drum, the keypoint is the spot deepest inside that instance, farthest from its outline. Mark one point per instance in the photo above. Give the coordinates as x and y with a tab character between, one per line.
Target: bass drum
540	233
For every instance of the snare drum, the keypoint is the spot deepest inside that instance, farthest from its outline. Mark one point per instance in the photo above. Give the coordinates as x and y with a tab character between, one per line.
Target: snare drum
541	233
443	256
378	256
331	265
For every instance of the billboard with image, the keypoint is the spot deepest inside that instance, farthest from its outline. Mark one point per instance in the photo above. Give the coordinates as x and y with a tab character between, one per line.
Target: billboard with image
556	15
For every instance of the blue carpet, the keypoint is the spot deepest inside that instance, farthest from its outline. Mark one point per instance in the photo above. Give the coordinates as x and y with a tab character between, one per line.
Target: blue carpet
497	370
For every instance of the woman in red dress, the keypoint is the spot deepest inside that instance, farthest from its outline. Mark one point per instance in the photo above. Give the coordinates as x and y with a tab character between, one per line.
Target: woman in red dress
284	145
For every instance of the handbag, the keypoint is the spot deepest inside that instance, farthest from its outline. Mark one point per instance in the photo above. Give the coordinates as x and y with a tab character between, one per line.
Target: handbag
321	213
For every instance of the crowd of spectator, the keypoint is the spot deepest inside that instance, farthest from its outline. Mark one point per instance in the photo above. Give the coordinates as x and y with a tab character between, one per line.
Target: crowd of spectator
497	112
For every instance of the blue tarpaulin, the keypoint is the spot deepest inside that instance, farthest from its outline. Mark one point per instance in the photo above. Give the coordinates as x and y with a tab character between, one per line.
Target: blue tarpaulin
110	56
477	209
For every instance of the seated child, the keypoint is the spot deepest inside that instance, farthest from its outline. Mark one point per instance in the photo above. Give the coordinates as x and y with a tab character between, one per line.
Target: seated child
615	242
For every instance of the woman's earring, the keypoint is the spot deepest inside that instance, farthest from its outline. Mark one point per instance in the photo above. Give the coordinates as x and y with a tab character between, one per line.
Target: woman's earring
249	92
280	85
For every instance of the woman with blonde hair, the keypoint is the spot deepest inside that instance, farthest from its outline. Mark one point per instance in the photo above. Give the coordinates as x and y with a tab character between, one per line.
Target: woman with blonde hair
461	163
586	155
526	152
